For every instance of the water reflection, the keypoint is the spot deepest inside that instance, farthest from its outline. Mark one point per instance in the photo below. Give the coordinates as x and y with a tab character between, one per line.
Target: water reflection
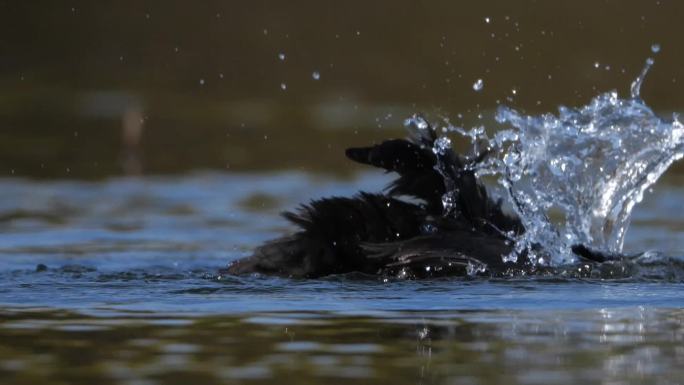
628	345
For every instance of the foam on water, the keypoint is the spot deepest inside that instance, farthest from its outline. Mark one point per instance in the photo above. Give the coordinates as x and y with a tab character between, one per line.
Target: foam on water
584	167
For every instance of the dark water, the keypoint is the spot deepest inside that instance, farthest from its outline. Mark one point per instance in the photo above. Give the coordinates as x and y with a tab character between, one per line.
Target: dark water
131	294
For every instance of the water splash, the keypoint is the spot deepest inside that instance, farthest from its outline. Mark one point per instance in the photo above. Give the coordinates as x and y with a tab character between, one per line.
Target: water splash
574	177
635	90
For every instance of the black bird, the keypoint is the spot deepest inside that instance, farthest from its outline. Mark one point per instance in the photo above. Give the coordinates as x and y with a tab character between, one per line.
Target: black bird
405	231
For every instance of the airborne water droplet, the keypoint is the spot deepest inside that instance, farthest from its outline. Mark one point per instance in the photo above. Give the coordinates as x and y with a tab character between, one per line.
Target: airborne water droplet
635	89
655	48
478	85
316	75
283	86
281	56
417	121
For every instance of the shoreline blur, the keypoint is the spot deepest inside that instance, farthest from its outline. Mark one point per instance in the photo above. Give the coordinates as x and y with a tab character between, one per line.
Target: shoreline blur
160	87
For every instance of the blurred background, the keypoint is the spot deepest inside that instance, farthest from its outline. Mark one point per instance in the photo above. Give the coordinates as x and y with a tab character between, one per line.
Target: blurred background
97	89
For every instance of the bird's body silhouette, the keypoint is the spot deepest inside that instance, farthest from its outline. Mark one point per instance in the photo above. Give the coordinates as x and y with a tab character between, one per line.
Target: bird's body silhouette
404	231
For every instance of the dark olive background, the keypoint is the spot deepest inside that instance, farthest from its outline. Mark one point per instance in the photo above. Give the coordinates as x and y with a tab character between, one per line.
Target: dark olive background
205	77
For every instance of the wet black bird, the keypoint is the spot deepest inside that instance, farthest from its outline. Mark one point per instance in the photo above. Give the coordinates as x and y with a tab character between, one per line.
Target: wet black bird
403	231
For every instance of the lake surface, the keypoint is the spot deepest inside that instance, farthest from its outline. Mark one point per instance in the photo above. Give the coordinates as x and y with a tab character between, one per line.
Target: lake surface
130	293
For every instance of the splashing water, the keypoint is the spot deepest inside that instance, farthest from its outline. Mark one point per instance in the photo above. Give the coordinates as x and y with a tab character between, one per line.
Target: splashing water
586	166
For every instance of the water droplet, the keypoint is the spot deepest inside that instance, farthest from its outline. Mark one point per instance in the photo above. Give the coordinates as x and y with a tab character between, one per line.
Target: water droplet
283	86
281	56
636	84
448	202
316	75
487	20
201	82
441	145
597	64
655	48
514	91
417	121
478	85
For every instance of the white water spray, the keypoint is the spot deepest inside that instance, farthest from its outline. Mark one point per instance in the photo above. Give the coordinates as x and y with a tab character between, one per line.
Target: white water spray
587	166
